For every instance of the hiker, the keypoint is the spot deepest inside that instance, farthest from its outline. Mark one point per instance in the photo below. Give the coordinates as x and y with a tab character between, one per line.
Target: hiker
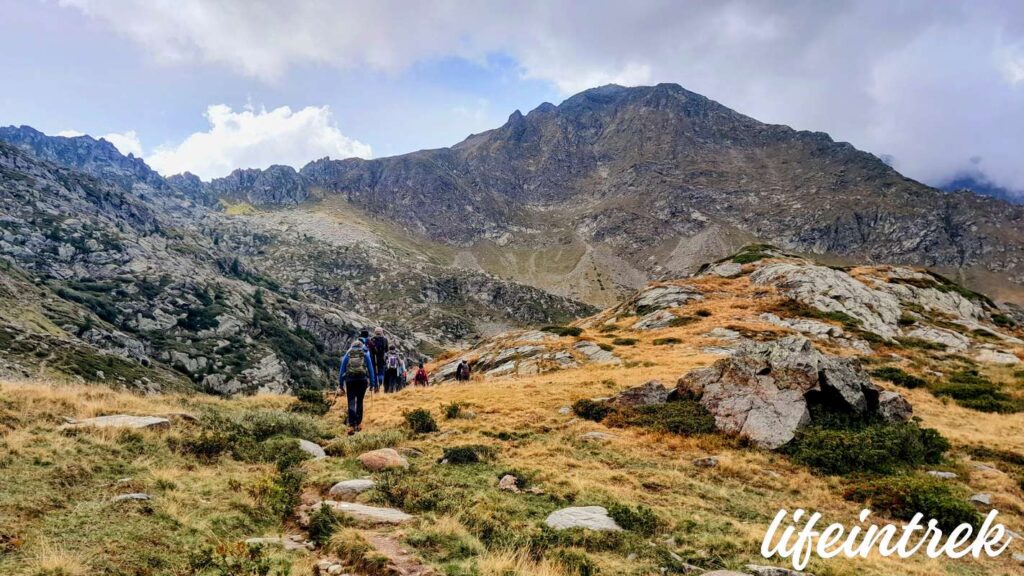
379	347
421	378
403	372
354	377
462	371
392	366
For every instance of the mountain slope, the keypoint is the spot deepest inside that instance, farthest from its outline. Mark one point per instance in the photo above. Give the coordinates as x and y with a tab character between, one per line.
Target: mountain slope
638	180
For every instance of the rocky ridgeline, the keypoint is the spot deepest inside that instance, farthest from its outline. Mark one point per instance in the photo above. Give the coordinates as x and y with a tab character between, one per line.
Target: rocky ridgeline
112	274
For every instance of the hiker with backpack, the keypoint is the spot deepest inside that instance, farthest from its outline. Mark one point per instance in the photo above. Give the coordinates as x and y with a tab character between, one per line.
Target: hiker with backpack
392	366
379	347
354	377
421	378
462	371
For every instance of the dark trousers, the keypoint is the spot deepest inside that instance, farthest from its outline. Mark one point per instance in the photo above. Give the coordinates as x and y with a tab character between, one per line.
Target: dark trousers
378	364
355	390
391	380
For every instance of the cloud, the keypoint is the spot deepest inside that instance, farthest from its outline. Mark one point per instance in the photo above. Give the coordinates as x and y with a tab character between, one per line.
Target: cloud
125	142
930	83
256	139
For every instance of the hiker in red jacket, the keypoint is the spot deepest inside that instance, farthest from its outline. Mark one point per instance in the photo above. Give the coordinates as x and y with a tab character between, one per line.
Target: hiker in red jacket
421	378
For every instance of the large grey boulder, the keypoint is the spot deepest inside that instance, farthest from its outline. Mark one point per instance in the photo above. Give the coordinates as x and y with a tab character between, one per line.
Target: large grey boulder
347	490
589	517
951	340
655	320
764	391
596	354
312	449
831	290
659	298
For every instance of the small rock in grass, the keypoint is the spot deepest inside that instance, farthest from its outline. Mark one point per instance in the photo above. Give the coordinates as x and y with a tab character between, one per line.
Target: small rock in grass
383	459
140	496
597	436
941	474
312	449
708	462
509	483
982	499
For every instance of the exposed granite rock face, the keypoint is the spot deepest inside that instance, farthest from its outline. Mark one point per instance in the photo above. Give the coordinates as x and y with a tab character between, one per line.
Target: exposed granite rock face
277	185
764	391
648	394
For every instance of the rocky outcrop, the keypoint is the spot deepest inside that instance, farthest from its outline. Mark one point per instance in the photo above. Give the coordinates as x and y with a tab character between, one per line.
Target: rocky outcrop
121	421
648	394
764	392
588	517
276	185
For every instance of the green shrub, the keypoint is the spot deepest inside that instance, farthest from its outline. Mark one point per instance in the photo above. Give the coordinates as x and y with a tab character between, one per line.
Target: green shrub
315	402
605	347
575	562
906	320
881	448
793	307
971	389
590	409
468	454
452	411
703	313
322	524
902	497
284	493
898	377
986	334
641	520
563	330
420	421
1003	321
624	341
666	341
608	328
685	417
207	445
263	424
920	343
236	559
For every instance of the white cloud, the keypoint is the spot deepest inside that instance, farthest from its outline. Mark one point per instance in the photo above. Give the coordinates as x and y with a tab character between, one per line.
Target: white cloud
256	139
125	142
931	83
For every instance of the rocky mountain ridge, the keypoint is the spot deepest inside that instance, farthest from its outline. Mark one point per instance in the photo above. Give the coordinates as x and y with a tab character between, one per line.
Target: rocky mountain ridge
661	179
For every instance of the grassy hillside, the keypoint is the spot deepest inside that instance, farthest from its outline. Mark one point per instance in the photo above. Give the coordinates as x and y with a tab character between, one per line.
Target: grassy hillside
233	472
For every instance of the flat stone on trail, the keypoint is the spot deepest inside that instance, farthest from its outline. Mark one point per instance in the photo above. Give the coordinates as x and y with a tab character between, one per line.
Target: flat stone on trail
597	436
312	449
289	543
368	514
383	459
982	499
121	421
136	496
348	489
589	517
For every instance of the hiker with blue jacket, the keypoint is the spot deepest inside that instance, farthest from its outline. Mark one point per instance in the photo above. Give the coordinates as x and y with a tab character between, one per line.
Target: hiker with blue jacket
354	377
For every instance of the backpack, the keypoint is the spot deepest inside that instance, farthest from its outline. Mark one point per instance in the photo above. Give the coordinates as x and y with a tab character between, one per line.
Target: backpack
378	345
392	362
357	363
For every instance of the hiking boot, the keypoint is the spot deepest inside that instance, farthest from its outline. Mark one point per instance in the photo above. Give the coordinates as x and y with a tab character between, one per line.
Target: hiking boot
351	431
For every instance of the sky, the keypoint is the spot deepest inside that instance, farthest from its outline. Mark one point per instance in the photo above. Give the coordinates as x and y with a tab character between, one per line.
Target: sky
209	86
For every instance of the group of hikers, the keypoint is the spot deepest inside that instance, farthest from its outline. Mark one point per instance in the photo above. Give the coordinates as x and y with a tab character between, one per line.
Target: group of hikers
370	364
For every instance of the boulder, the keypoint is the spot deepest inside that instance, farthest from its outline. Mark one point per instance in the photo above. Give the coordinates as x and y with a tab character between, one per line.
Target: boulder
347	490
661	297
894	407
655	320
595	353
982	499
589	517
288	543
996	357
383	459
647	394
728	269
951	340
509	483
312	449
707	462
121	421
764	390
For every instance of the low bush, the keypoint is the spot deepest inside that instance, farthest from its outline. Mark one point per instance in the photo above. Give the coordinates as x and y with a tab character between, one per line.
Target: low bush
353	549
468	454
972	389
685	417
641	519
605	347
624	341
879	448
235	559
322	524
920	343
574	562
315	402
452	411
420	421
666	341
906	320
563	330
902	497
703	313
1003	321
898	377
591	409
